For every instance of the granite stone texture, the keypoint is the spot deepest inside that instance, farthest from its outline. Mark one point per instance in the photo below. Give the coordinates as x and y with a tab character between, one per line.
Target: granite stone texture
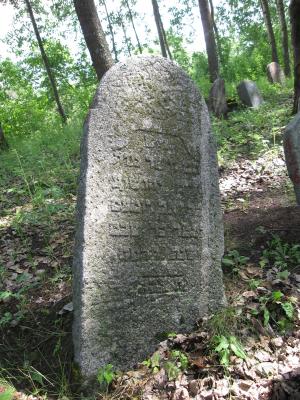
275	73
249	94
291	144
149	225
217	98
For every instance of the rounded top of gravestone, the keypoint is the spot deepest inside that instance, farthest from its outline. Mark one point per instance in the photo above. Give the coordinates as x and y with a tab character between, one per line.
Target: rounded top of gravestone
246	82
273	64
136	70
275	73
249	93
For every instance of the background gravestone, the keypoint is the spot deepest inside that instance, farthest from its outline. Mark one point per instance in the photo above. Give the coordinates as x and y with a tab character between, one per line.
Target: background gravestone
291	144
217	98
275	73
149	238
249	94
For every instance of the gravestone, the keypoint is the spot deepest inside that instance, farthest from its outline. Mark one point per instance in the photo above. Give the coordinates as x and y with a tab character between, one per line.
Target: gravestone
275	73
249	94
217	98
149	236
291	144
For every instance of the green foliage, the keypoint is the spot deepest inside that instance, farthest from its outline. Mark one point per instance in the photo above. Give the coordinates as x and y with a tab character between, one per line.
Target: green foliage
199	72
276	309
178	51
283	256
248	133
153	362
176	362
224	322
7	390
106	375
233	261
27	104
41	171
225	346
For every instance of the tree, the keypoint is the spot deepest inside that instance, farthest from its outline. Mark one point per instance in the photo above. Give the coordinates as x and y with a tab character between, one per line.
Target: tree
46	62
3	142
94	36
295	32
268	22
216	31
165	50
133	25
120	22
211	48
284	35
110	30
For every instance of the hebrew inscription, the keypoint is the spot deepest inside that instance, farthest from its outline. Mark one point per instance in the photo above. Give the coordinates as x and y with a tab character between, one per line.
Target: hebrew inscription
149	237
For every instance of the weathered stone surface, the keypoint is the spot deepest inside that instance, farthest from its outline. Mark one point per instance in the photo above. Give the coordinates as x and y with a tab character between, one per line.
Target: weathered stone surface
291	144
275	73
217	98
249	94
149	237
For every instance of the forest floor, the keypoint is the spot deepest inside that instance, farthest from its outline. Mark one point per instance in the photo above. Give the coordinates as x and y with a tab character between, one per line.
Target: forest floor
249	350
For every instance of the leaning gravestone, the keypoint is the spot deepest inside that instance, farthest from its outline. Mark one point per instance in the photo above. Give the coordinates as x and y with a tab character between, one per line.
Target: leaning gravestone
291	144
275	73
217	98
149	238
249	94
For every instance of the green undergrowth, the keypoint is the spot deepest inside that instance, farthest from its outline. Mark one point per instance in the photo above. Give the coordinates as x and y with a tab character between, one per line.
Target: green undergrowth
39	175
248	133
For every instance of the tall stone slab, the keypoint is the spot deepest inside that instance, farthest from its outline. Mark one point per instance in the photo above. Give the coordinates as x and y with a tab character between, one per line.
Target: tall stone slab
217	98
275	73
149	238
249	94
291	144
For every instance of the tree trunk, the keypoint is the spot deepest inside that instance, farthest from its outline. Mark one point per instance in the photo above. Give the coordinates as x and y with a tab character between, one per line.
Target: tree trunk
211	48
295	32
285	39
165	39
267	18
3	141
46	63
158	22
133	26
216	31
94	36
125	34
111	32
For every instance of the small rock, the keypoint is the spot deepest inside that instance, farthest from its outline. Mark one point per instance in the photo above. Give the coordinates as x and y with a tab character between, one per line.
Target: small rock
262	290
297	277
179	339
266	369
205	395
222	388
160	379
249	294
193	387
262	356
245	385
277	342
181	394
66	308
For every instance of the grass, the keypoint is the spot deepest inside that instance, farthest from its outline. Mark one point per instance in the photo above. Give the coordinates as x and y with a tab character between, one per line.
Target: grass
251	132
39	175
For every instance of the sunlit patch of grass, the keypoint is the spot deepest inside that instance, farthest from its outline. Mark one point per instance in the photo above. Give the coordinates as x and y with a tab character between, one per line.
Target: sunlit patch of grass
251	132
